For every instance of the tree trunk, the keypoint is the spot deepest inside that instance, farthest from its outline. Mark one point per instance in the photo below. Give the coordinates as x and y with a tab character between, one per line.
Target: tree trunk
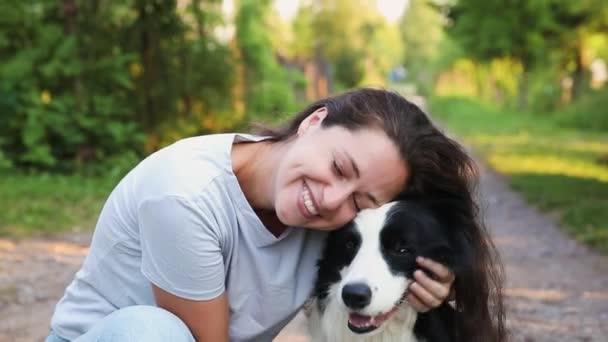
577	76
523	90
198	14
147	55
69	12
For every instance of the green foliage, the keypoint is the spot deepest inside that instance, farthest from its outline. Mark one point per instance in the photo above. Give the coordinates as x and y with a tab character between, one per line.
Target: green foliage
186	72
516	32
351	37
81	80
559	169
425	54
547	37
268	87
337	39
54	101
588	113
349	68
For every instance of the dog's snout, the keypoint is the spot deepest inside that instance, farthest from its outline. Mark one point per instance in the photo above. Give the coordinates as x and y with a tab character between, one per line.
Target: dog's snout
357	295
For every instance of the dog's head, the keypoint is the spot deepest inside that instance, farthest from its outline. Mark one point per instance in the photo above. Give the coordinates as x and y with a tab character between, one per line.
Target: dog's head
368	265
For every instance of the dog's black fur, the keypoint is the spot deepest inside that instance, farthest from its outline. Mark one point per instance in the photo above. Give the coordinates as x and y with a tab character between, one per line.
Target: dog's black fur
407	230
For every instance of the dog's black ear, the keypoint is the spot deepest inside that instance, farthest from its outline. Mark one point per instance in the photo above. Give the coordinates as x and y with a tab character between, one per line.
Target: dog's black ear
443	254
456	253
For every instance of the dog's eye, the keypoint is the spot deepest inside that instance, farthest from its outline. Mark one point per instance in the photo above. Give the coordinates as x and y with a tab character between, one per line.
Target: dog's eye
402	250
399	248
350	245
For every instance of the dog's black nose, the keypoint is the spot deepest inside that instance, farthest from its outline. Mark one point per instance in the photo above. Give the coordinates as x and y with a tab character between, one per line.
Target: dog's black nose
357	295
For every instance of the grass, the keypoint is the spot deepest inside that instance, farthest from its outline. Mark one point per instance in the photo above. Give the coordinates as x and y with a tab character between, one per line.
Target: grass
38	204
588	112
560	169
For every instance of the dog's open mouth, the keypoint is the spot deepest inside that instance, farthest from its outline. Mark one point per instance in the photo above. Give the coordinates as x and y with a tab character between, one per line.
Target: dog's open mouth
362	324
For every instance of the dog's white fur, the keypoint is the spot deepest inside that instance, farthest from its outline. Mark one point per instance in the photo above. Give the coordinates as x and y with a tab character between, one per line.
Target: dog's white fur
367	267
332	327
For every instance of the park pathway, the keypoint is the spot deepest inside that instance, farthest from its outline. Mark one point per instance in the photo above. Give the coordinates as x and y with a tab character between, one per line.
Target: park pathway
557	290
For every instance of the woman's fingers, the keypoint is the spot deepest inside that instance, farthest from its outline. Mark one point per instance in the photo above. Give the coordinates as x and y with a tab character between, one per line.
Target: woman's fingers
438	290
426	292
416	303
441	271
424	296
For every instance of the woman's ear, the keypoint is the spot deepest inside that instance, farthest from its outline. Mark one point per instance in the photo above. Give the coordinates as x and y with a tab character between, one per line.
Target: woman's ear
313	120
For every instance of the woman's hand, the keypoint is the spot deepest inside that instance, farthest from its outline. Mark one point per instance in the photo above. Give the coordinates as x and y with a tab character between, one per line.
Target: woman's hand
427	293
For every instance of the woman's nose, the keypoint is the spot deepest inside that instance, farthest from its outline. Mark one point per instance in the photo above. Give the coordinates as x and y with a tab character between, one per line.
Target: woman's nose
336	196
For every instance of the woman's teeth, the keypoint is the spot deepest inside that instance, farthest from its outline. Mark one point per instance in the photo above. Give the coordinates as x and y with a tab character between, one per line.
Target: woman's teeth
308	202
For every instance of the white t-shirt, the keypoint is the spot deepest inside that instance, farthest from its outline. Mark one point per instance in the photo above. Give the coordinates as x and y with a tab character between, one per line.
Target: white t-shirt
180	220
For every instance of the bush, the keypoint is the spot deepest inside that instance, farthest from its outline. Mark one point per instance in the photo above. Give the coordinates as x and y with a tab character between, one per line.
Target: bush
590	112
82	81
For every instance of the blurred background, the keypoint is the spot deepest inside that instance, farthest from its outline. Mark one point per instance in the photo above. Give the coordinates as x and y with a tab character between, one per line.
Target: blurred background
90	87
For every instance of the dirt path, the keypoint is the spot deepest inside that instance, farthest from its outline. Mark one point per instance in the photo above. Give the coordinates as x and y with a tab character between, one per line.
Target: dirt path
557	290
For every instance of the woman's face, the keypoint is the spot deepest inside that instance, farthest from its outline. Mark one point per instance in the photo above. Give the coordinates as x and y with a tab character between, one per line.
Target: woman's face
328	174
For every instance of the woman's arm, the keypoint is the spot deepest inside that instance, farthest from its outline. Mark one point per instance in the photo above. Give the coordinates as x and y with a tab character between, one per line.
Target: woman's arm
206	319
182	258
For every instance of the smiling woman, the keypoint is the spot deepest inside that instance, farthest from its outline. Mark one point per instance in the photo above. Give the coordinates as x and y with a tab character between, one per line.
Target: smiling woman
327	175
216	237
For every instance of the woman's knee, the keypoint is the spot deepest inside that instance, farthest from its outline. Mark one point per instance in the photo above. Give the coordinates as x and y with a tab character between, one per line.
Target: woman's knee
141	323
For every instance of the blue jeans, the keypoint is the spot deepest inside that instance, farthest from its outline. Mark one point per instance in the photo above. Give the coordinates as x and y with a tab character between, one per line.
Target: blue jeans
133	324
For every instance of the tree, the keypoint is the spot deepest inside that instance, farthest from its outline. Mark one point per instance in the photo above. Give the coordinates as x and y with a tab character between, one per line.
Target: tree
84	80
575	20
267	85
518	32
422	32
349	36
530	32
63	90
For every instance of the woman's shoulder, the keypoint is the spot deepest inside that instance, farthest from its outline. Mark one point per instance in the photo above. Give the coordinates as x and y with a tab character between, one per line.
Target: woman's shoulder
186	168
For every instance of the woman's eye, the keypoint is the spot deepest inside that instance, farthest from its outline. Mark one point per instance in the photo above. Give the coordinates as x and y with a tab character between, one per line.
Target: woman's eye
357	207
338	169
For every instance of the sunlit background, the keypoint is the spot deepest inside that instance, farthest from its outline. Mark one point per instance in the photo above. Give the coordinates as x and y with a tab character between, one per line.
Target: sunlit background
88	88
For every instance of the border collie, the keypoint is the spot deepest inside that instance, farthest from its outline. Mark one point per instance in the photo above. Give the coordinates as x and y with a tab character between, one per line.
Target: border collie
366	269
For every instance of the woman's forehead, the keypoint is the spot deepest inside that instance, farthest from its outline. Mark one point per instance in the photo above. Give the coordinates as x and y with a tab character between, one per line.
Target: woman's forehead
382	170
369	147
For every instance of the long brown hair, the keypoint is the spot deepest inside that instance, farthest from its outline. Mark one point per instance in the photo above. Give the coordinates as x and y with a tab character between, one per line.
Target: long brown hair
440	173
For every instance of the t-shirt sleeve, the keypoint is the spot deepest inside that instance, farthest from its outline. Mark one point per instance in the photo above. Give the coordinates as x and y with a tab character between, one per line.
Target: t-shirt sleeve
181	248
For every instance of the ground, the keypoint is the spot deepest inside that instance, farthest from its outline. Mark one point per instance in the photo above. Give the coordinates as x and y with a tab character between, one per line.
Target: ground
557	289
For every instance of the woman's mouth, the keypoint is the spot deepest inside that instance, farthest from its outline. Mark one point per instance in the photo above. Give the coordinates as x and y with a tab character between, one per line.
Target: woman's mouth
310	209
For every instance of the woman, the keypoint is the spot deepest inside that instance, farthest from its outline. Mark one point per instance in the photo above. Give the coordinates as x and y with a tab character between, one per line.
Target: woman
199	241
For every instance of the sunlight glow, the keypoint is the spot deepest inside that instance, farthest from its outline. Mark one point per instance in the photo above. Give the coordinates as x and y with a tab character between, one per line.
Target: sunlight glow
391	9
550	165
